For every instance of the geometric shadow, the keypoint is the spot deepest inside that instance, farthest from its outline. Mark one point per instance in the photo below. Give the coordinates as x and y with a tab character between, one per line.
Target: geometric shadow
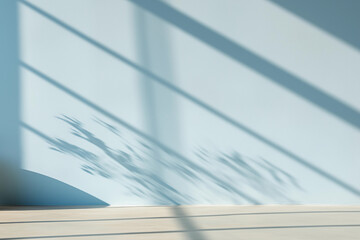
231	49
38	189
339	18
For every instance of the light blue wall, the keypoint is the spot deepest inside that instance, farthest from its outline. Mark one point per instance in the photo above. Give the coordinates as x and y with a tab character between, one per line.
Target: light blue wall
179	102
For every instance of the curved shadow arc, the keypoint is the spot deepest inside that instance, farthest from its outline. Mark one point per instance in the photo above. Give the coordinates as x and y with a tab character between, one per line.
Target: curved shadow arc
39	189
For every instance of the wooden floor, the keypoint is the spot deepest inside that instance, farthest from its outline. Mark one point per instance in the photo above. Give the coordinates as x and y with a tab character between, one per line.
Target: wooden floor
186	222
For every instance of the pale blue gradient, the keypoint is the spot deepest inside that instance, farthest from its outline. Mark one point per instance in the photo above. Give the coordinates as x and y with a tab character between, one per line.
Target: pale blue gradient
167	103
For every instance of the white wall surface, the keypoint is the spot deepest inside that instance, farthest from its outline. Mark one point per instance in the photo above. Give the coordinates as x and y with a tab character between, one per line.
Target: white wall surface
135	105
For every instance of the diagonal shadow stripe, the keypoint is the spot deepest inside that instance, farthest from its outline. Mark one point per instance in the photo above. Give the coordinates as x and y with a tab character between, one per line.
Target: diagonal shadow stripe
132	129
191	230
338	18
193	99
233	50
